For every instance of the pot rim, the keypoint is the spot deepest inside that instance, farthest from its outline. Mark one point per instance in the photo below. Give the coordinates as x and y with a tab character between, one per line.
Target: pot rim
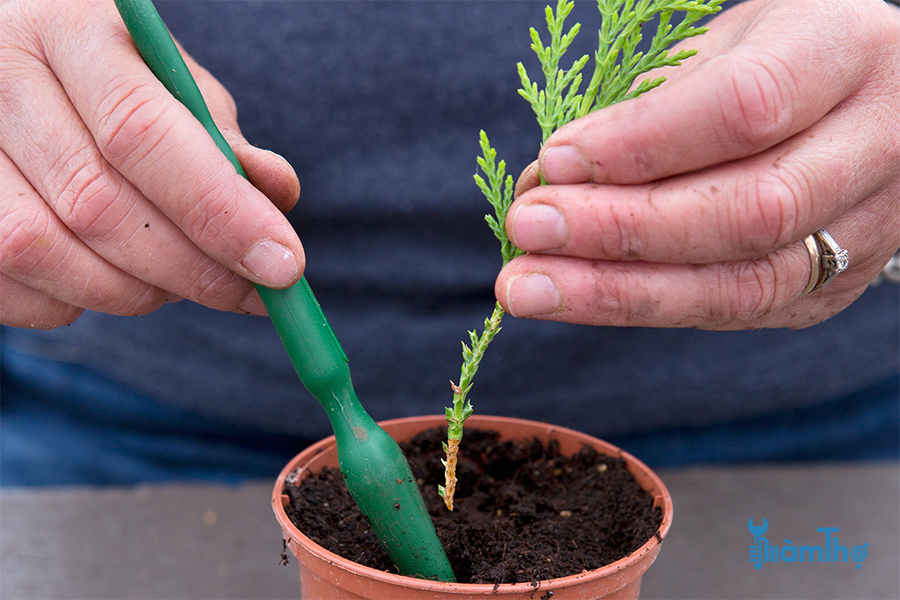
662	499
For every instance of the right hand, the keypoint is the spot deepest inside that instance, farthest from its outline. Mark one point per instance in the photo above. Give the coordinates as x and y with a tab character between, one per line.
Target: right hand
113	198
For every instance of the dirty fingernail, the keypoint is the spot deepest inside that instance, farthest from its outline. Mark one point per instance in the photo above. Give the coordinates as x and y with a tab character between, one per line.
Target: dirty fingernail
532	295
564	164
273	264
538	227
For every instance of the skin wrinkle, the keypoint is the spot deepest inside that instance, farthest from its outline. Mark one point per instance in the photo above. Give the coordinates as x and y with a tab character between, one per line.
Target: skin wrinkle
605	299
66	164
137	297
610	301
25	39
765	224
129	239
208	282
753	291
86	198
144	299
211	220
30	240
830	40
612	242
12	137
25	241
96	208
758	98
12	81
692	243
634	147
122	130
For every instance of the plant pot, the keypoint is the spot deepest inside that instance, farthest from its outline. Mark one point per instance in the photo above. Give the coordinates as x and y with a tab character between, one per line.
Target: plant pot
327	576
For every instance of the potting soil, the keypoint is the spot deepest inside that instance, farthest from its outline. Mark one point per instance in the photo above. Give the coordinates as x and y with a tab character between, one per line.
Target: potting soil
523	513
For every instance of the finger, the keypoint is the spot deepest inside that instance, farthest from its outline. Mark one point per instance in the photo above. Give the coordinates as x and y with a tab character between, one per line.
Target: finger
734	105
745	294
155	143
735	295
23	306
529	179
270	173
742	209
58	156
38	251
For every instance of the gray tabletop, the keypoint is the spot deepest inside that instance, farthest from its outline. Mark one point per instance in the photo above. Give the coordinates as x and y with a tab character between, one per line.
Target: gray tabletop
199	541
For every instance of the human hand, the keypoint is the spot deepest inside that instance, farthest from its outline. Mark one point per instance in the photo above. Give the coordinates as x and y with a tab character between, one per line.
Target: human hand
688	206
113	197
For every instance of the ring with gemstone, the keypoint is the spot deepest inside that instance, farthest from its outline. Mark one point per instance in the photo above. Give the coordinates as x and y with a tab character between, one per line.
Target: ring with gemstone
827	260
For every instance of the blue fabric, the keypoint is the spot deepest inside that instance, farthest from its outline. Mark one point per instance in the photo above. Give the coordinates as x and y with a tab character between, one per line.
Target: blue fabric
65	424
861	426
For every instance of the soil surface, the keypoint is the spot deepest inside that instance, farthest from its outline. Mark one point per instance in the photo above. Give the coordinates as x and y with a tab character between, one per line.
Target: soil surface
522	513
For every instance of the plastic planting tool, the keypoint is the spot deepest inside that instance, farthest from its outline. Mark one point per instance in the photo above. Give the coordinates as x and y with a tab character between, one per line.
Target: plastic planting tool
377	474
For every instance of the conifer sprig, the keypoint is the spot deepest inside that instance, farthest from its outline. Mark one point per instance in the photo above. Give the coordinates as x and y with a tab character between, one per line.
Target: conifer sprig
497	187
617	65
617	62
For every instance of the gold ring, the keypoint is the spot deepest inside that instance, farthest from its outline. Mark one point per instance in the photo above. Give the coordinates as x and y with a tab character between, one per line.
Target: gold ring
827	260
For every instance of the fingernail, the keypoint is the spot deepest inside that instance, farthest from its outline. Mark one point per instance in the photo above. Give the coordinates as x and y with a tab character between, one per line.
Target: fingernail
530	178
539	227
564	164
273	264
532	295
253	305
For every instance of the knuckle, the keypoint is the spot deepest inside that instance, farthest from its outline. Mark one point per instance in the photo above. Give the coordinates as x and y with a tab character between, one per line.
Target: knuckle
215	286
134	300
91	202
756	108
26	240
610	298
766	213
210	220
614	232
131	297
750	290
130	123
144	299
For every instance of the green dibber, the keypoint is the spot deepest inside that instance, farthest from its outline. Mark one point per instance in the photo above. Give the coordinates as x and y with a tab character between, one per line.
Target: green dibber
377	474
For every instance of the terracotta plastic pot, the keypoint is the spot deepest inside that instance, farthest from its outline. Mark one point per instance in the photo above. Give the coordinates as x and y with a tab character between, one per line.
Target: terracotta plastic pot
327	576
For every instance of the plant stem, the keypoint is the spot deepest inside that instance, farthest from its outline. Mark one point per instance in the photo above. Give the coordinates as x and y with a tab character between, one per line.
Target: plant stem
462	408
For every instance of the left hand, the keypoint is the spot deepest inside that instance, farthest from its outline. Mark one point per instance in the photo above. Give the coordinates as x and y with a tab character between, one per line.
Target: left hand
688	206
